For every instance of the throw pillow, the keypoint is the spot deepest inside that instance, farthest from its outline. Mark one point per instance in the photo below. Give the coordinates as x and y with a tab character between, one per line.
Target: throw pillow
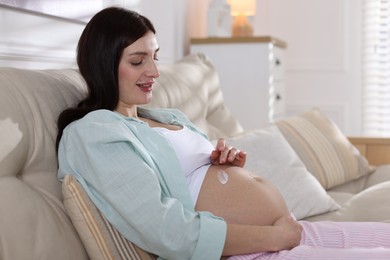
269	155
323	148
100	239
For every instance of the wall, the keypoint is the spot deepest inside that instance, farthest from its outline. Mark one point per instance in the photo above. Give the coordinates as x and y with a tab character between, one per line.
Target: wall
323	54
46	36
169	18
36	41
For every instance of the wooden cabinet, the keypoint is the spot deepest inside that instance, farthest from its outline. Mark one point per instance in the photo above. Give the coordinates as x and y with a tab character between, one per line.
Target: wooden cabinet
251	71
375	149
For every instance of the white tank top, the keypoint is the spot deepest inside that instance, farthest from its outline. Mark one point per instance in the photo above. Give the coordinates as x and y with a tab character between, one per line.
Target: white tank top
193	151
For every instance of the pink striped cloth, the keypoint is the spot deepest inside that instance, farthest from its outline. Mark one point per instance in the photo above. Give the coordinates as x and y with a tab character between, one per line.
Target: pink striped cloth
335	240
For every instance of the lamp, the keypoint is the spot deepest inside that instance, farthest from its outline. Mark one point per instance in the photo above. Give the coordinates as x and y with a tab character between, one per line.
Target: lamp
240	10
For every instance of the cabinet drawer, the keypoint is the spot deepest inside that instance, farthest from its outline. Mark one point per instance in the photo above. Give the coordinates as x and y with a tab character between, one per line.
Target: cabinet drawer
277	96
277	63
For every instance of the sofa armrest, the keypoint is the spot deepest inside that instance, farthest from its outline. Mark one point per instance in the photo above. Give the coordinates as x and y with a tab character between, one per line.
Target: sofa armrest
375	149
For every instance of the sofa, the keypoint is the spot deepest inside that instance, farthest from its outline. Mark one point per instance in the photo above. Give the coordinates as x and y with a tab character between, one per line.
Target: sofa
322	174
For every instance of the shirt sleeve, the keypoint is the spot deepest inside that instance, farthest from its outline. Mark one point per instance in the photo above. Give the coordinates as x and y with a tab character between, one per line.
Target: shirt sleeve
107	161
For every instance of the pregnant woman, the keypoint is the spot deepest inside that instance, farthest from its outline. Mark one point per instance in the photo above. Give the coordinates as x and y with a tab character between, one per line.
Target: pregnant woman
158	179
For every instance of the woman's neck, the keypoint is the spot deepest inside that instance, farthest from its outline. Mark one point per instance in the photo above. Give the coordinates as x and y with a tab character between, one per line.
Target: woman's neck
127	111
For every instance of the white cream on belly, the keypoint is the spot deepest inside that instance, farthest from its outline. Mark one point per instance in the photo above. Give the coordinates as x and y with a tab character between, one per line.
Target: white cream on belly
223	177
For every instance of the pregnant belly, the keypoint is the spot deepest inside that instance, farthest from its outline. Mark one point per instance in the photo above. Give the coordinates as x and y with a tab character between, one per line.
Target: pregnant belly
239	196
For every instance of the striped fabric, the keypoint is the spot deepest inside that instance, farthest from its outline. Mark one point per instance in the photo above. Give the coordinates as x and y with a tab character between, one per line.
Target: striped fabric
101	240
325	151
324	240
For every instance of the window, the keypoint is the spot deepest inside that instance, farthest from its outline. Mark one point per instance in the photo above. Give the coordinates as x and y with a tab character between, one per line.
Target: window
376	67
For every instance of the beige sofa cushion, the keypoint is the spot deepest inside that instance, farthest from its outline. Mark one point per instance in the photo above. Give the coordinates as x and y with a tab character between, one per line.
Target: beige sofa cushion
101	240
371	204
33	221
363	199
325	151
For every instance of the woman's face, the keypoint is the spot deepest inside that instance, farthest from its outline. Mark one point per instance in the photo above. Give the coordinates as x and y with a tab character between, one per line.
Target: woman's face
137	71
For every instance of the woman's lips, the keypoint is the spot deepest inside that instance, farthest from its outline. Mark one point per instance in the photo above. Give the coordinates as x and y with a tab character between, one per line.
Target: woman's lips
146	87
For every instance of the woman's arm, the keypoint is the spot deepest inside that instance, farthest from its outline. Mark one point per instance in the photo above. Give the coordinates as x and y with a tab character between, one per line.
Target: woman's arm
244	239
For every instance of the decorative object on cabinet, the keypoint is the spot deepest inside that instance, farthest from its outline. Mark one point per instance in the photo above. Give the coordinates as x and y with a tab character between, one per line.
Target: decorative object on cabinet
219	20
251	73
241	10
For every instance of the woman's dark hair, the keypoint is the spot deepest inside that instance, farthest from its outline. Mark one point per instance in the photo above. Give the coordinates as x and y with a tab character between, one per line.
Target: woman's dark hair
98	54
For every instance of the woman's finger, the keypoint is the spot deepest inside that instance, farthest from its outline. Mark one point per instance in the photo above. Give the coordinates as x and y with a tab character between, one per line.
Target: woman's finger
221	144
233	154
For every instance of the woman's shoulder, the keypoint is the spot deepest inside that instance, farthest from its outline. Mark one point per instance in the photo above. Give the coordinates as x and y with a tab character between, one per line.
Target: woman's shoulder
103	115
94	121
98	116
99	127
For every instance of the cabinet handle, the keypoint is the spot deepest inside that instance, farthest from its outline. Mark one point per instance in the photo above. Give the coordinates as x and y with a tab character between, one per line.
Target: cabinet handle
278	97
278	62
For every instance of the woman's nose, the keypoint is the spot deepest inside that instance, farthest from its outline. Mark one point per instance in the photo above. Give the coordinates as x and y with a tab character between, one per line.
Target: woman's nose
153	70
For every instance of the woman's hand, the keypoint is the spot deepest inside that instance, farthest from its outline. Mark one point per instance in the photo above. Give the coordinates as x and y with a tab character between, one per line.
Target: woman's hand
227	155
290	233
284	234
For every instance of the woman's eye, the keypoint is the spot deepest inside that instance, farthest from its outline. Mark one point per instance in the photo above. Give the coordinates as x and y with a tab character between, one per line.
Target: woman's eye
136	63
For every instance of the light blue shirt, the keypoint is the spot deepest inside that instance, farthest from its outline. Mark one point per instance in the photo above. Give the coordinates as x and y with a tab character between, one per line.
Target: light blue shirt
133	176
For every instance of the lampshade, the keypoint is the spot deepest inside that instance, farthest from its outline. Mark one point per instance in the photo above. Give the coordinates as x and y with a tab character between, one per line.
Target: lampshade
242	7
